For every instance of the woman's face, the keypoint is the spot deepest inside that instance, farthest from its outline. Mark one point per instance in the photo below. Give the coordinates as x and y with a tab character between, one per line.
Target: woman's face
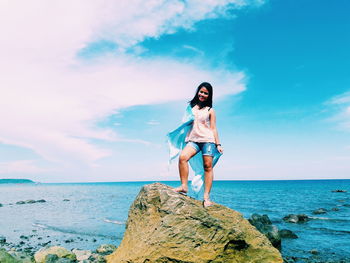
203	94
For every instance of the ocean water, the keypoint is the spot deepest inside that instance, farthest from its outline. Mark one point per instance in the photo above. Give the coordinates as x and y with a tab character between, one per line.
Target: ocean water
96	212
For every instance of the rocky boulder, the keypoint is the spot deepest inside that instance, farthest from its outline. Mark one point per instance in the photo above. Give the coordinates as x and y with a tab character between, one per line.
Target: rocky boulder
61	252
164	226
285	233
264	225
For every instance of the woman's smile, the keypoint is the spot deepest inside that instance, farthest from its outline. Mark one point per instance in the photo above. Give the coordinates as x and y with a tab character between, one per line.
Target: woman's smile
203	94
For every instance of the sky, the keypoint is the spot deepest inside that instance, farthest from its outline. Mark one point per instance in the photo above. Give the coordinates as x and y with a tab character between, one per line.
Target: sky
89	89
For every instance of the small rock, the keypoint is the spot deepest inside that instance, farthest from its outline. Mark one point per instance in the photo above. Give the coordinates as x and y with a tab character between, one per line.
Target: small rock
339	191
1	205
320	211
335	209
41	201
2	239
346	205
82	254
46	243
23	237
30	201
292	218
285	233
314	252
20	203
94	240
97	258
66	200
106	249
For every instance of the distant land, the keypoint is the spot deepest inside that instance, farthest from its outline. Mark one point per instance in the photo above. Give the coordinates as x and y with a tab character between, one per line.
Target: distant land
16	181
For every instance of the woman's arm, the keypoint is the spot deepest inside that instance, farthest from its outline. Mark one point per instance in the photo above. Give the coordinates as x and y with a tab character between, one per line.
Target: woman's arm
212	117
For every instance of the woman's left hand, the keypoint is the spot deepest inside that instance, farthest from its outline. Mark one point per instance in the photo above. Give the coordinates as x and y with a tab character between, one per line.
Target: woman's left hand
220	149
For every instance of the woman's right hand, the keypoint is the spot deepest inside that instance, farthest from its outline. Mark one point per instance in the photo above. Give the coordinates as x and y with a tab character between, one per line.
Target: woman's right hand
220	149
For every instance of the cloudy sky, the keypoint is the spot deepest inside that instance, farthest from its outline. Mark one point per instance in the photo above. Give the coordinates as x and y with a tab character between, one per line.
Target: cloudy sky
90	88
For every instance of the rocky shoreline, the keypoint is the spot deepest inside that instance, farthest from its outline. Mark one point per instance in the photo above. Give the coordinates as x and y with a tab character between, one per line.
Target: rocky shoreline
59	254
56	254
50	251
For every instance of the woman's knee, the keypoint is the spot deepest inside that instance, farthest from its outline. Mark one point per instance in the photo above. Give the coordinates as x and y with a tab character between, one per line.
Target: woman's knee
183	158
208	166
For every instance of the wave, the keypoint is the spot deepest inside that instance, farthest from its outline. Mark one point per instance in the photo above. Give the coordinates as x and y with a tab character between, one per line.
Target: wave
329	230
113	221
329	219
70	231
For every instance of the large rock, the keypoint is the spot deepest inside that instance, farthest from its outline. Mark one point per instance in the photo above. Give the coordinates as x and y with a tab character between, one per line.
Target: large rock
61	252
164	226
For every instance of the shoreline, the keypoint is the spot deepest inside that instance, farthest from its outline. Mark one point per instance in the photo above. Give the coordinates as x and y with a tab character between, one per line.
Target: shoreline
68	209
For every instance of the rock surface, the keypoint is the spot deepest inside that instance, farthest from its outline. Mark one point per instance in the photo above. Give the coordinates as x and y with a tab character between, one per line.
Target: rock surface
264	225
164	226
61	252
286	233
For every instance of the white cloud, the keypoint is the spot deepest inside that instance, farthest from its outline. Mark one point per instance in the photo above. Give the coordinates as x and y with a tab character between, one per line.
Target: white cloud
20	166
51	101
153	122
341	105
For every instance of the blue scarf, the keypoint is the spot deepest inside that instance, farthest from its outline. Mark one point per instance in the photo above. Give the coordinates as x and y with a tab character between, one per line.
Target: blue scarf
176	142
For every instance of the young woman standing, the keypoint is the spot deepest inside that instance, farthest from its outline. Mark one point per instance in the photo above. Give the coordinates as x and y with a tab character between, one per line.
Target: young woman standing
202	137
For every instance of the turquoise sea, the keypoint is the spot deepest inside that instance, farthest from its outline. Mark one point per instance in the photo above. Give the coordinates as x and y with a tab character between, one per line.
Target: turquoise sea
95	213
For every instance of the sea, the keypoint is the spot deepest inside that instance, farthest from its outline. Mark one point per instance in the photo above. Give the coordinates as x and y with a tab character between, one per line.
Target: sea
86	215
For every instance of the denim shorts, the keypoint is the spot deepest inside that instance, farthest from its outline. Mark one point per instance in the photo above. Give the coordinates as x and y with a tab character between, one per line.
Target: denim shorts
207	148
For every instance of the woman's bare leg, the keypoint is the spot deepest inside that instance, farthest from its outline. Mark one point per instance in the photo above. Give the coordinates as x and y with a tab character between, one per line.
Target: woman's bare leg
208	179
187	153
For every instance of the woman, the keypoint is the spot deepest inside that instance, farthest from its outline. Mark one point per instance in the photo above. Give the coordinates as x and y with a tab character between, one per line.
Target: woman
203	136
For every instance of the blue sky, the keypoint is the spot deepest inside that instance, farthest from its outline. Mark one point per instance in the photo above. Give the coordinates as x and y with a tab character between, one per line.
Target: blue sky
99	92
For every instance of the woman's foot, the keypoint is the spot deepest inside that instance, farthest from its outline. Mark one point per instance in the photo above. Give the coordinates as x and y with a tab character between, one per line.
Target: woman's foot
181	190
207	203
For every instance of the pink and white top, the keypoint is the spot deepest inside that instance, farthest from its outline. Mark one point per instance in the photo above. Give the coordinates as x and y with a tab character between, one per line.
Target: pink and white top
201	131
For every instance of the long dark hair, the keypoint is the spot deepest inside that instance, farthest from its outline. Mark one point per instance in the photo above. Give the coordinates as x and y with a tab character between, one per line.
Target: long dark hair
209	102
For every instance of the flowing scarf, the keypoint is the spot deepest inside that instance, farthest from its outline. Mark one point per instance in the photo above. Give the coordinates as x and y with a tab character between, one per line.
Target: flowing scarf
176	142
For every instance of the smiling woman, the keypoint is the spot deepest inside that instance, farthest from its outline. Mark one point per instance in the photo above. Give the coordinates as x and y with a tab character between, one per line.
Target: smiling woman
202	136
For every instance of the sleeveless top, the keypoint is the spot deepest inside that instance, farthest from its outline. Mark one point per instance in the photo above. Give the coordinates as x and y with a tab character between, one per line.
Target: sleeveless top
201	131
